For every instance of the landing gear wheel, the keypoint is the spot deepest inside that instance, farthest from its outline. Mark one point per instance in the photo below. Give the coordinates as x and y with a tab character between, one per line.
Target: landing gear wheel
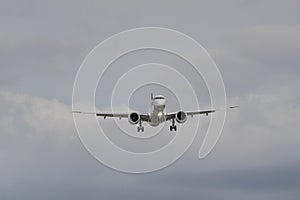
140	127
173	126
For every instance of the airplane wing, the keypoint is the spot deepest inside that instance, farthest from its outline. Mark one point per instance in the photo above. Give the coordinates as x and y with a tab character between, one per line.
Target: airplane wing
200	112
144	117
170	116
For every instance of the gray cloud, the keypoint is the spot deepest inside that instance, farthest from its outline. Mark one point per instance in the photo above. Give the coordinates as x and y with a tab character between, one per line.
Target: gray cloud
277	179
42	157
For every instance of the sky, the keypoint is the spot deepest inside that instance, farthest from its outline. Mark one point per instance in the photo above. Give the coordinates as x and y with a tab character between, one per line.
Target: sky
255	44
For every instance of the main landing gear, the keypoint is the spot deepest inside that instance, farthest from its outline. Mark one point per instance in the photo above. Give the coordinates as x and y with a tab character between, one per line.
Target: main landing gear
140	127
173	126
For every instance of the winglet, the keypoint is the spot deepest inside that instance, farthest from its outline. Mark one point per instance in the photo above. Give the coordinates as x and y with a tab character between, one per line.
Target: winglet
80	112
75	111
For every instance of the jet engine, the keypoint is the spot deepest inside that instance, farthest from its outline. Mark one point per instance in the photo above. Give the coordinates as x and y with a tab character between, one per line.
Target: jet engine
134	118
181	117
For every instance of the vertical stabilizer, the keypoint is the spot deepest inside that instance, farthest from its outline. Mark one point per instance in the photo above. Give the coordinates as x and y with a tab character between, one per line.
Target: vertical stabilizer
152	98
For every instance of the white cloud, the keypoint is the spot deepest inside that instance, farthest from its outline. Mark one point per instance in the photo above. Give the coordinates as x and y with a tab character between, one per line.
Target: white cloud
36	113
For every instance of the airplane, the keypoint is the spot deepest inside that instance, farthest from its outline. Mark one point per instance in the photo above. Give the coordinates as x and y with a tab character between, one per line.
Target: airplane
157	116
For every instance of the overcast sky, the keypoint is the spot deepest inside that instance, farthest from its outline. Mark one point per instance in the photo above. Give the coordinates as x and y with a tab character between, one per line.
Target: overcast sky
255	44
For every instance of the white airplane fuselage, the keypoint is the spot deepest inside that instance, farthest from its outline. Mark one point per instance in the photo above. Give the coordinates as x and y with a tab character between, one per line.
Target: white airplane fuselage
157	115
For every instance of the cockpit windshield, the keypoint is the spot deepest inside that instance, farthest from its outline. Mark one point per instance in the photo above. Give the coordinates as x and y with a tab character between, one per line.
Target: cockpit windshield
159	97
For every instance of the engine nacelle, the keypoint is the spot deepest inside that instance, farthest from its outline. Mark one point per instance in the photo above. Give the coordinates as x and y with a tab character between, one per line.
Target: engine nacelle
134	118
181	117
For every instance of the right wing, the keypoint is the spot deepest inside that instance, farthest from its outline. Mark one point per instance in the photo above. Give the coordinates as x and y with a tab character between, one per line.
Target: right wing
200	112
144	117
170	116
